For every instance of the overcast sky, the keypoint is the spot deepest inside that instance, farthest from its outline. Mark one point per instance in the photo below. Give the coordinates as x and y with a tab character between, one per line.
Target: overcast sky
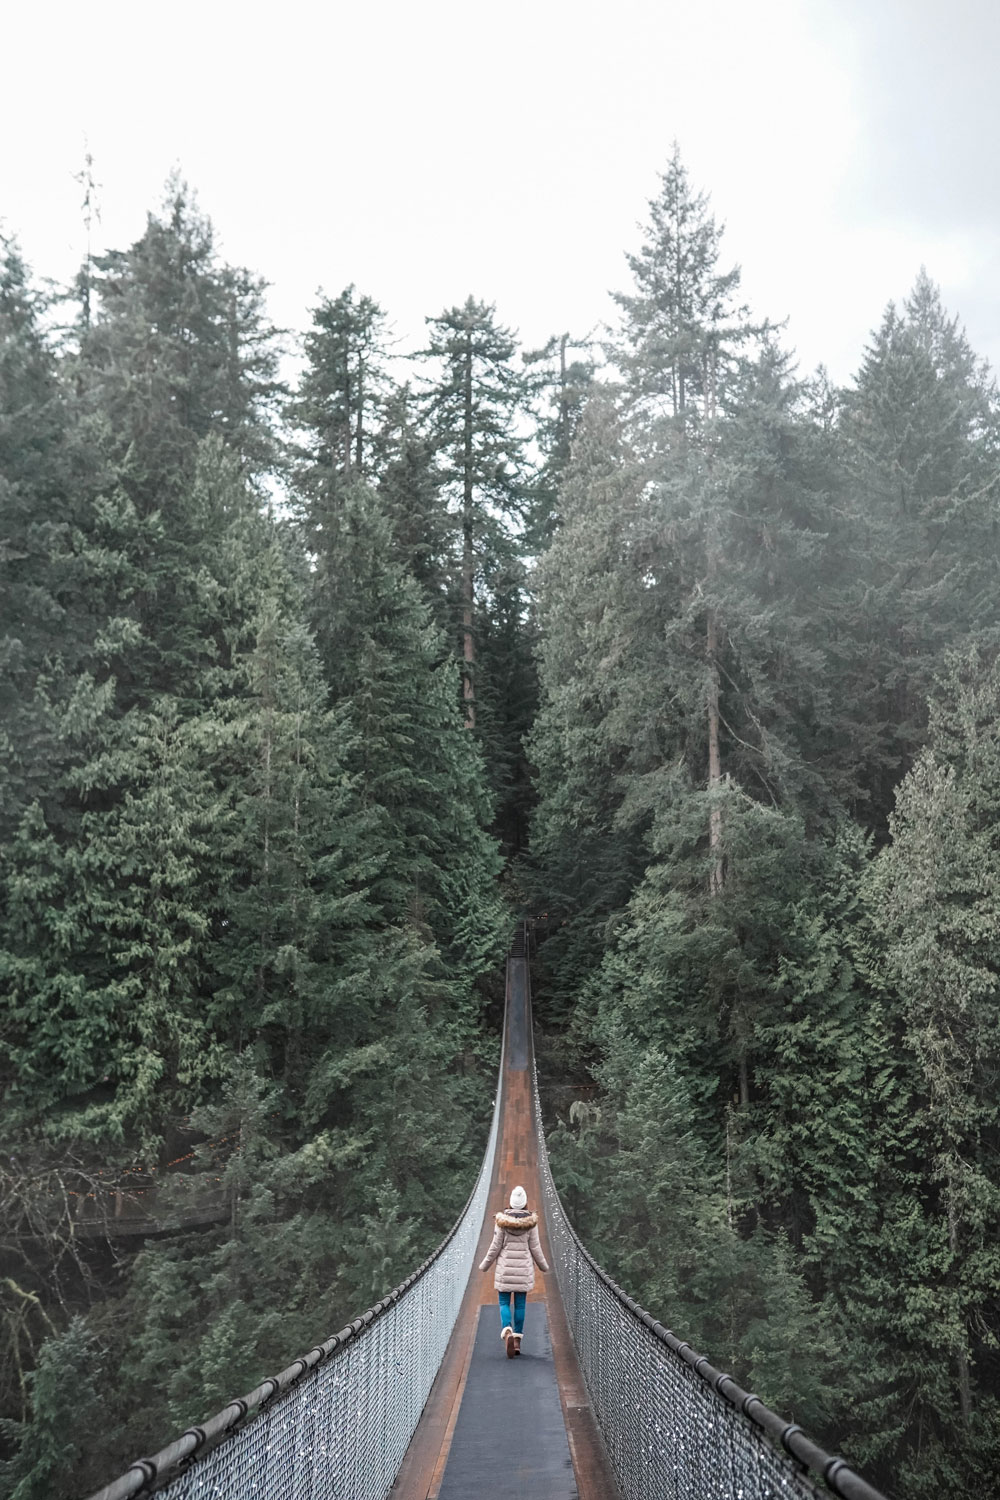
430	149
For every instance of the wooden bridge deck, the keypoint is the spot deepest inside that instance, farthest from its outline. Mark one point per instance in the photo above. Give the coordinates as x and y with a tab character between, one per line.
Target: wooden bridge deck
521	1427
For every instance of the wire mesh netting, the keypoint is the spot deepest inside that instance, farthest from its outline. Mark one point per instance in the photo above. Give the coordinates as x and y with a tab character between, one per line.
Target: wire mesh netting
337	1424
668	1434
340	1431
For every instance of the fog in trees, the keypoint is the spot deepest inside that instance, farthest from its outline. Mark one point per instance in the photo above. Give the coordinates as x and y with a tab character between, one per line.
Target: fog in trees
310	689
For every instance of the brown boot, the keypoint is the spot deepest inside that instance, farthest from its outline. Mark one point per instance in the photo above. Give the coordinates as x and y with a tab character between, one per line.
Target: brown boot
509	1341
517	1343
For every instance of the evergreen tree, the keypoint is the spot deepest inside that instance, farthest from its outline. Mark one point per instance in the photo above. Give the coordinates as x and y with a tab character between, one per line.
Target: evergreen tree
52	562
563	386
472	409
419	774
583	862
114	882
339	402
112	871
298	914
681	331
920	441
67	1406
682	350
670	1225
35	509
423	533
178	349
935	920
507	699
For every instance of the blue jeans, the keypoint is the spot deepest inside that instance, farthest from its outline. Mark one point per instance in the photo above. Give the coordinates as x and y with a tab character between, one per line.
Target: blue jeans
517	1321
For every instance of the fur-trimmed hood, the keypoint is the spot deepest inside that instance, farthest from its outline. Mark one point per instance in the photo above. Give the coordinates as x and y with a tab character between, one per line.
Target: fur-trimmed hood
516	1220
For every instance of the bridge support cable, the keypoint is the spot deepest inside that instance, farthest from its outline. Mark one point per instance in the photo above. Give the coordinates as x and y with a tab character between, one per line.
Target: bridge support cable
336	1424
674	1427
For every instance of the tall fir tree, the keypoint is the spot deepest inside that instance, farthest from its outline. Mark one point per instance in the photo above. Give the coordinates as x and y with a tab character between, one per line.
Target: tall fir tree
338	404
423	533
682	331
919	440
419	773
583	864
561	385
682	346
473	406
934	921
177	348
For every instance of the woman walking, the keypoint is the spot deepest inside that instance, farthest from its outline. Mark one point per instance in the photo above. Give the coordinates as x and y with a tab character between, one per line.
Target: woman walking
517	1250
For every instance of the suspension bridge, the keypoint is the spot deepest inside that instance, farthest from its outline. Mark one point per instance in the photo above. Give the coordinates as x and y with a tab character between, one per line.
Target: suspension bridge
414	1400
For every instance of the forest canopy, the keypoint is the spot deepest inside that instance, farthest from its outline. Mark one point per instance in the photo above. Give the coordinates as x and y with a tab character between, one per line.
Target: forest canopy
310	687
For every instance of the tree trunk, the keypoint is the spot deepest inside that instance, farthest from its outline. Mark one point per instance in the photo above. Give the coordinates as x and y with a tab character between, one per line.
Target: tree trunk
714	758
744	1074
348	434
359	451
468	555
730	1214
562	435
961	1356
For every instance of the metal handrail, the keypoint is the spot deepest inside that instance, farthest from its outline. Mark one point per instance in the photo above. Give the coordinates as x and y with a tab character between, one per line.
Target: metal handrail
179	1464
147	1475
835	1472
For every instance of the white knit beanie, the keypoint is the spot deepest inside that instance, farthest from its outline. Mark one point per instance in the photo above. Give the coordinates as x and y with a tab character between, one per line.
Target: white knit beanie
518	1198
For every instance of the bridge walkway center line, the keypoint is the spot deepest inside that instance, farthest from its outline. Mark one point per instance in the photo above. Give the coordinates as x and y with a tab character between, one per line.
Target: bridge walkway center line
493	1425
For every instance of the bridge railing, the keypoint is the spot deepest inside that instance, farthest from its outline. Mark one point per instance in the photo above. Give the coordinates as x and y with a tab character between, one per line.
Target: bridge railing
336	1424
675	1428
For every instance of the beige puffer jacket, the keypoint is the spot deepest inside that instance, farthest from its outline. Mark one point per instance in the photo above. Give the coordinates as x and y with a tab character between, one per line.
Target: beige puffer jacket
516	1249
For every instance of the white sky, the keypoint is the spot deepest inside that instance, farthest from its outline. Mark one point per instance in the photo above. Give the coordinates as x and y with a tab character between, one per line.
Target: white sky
430	149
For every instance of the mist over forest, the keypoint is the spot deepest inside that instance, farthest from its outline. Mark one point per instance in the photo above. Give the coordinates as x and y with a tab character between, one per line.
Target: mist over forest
312	688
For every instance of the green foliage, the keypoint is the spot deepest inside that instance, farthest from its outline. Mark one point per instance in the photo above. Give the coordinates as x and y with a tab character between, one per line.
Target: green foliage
681	331
474	403
562	387
177	364
109	933
340	394
419	772
755	586
423	532
737	636
178	349
583	864
672	1223
248	900
934	925
919	444
35	508
67	1404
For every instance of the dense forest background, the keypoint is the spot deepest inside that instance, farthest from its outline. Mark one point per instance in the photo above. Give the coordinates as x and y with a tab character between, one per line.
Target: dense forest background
309	687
